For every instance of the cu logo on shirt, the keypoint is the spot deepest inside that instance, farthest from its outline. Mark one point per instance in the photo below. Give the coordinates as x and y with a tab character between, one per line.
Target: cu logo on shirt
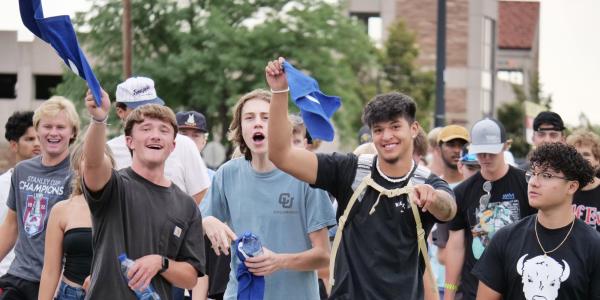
286	200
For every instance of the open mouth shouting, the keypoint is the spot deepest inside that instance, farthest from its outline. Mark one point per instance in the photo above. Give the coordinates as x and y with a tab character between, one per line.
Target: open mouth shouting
154	146
258	138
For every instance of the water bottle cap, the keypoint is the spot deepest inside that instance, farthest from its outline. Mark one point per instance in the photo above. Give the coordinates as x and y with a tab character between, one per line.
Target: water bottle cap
122	257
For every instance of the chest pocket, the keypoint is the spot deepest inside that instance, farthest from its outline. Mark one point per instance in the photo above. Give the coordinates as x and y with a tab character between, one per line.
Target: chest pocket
171	236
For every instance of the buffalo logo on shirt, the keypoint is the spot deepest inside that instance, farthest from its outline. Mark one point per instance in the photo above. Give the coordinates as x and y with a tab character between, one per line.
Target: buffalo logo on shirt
35	214
542	276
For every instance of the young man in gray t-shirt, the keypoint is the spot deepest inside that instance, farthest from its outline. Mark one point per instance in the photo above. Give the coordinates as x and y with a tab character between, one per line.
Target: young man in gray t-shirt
36	185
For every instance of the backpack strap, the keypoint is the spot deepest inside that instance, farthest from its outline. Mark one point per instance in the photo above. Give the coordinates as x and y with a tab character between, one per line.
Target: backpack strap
362	180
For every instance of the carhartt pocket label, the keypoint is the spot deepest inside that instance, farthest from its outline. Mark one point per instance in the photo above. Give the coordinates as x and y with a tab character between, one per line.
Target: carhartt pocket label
177	231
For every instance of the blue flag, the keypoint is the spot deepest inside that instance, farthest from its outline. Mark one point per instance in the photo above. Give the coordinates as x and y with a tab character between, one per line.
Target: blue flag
250	286
316	108
58	32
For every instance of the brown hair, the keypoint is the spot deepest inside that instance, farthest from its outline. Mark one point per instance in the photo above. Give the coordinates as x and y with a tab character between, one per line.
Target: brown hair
585	138
151	111
235	128
420	143
76	159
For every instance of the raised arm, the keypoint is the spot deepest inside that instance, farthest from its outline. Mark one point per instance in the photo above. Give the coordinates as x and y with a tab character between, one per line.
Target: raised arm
97	169
295	161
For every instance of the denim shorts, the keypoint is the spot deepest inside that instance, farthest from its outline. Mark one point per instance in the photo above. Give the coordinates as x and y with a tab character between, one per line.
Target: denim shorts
67	292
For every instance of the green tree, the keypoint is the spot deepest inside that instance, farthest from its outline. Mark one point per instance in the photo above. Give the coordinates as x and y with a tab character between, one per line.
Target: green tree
512	114
402	73
206	54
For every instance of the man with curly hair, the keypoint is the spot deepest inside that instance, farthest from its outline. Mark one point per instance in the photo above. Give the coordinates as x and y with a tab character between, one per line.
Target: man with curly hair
378	255
550	255
586	202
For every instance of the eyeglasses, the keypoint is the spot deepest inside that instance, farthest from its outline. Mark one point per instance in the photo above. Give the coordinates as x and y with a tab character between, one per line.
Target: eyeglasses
542	176
484	200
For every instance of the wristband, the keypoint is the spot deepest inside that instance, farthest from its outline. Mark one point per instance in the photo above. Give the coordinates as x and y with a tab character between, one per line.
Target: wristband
450	286
280	91
103	121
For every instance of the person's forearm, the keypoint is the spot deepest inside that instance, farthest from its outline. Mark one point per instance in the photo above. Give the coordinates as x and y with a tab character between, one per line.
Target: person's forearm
280	130
181	274
444	208
95	141
48	283
455	249
308	260
8	232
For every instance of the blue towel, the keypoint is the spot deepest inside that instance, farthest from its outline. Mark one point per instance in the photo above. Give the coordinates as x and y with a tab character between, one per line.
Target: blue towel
250	286
316	108
58	32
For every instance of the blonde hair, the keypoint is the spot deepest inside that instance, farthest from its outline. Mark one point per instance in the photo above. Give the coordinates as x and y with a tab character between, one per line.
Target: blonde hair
52	107
235	127
584	137
366	148
76	158
298	126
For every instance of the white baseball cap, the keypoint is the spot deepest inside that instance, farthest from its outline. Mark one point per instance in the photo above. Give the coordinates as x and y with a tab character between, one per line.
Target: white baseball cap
137	91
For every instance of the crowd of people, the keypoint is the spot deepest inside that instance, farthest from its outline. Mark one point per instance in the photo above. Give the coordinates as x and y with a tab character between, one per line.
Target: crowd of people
409	215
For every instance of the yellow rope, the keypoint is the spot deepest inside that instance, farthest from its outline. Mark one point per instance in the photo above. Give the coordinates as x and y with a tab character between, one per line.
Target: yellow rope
368	181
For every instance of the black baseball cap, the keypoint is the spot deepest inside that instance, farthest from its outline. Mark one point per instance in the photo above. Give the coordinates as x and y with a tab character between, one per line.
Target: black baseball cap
364	135
548	118
191	119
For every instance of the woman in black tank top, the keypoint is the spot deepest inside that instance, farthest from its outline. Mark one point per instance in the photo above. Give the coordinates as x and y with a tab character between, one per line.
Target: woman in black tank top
69	237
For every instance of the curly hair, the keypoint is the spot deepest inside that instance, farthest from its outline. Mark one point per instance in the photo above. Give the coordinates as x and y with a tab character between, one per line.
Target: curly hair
17	125
235	127
563	158
387	107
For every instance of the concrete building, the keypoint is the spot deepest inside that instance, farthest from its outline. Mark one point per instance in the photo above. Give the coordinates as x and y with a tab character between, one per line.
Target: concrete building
518	47
470	47
28	72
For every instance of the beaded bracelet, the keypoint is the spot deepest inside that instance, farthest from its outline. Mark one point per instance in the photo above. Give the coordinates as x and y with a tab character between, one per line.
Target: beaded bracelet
103	121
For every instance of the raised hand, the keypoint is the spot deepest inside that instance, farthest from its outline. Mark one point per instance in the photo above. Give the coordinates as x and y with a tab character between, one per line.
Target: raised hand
97	113
275	75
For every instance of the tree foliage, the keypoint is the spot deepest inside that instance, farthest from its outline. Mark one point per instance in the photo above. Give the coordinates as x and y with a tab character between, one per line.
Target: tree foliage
402	74
512	114
205	54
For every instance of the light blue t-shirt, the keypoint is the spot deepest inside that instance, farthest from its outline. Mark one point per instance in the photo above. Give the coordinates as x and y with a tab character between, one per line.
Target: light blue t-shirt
280	210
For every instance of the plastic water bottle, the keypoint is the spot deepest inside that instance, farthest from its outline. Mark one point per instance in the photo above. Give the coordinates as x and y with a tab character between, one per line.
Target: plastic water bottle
250	245
146	294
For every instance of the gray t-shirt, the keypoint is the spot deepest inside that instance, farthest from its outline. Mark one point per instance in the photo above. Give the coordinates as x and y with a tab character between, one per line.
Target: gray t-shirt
34	189
281	210
134	216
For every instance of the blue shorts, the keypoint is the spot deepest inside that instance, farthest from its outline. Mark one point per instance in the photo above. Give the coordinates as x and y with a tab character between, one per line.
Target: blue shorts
67	292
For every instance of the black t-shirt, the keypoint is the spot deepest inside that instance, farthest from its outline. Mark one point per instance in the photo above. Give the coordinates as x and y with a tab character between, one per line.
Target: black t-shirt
586	206
508	203
134	216
514	265
378	255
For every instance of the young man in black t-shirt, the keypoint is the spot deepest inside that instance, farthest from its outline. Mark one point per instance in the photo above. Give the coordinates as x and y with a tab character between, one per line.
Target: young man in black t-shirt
378	255
586	201
137	210
489	200
551	255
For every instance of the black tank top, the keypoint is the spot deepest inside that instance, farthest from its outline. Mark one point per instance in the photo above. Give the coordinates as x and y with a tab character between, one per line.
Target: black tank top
77	246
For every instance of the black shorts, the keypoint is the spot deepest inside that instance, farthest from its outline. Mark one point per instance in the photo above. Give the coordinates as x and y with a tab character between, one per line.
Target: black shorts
217	269
15	288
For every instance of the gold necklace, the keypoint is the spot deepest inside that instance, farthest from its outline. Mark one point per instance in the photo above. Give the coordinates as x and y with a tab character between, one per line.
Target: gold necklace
538	238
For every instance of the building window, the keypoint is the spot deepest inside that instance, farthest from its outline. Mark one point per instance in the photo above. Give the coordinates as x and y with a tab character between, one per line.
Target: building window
373	24
8	83
487	65
511	76
45	84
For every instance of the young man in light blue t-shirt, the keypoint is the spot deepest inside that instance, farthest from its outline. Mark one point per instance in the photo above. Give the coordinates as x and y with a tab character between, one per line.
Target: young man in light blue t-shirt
289	217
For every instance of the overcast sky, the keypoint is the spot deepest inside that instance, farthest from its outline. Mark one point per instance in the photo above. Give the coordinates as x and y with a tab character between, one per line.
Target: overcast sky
569	50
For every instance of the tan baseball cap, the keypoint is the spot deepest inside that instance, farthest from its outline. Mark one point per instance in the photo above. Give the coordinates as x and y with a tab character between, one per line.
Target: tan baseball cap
452	132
